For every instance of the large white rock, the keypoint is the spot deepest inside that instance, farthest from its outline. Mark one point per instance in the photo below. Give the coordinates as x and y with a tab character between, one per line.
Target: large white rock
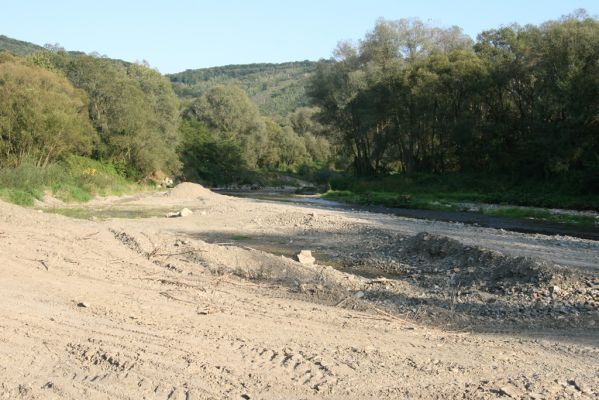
185	212
305	257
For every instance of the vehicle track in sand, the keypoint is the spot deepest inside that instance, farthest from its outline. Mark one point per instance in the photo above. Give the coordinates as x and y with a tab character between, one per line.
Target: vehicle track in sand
131	309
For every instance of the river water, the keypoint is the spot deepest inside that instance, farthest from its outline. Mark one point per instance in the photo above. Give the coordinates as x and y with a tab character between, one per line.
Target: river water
471	218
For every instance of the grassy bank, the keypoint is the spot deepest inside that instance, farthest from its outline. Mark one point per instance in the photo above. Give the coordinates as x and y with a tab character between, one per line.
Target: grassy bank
76	179
470	193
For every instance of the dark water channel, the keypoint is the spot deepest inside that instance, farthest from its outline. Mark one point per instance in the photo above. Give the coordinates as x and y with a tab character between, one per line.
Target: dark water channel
466	217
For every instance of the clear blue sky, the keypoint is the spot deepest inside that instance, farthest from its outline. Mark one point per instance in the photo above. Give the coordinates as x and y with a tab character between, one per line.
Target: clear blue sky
180	34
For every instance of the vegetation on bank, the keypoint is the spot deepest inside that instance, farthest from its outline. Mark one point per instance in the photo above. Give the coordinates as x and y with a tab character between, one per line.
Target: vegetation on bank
74	179
226	140
469	192
520	101
57	106
415	115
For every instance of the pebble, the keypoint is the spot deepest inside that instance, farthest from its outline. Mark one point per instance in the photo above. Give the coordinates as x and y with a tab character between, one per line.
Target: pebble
556	289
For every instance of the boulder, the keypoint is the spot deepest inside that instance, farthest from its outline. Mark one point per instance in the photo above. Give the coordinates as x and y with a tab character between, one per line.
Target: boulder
305	257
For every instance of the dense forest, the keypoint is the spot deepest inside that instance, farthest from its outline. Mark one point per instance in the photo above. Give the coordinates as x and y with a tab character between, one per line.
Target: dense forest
520	102
56	105
277	89
18	47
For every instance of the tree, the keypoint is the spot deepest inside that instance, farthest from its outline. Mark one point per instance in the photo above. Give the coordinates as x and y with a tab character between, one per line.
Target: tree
42	116
132	107
207	156
373	94
227	109
521	101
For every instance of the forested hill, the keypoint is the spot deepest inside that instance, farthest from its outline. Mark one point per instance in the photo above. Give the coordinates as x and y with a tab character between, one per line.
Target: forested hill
277	89
18	47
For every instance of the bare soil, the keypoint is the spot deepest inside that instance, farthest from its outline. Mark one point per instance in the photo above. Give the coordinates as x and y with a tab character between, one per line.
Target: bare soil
214	306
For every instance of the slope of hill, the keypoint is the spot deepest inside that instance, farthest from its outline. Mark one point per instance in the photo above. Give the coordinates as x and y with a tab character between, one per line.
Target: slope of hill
277	89
18	47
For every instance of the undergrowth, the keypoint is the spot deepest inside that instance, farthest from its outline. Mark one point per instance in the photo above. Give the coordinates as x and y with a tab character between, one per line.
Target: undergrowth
75	179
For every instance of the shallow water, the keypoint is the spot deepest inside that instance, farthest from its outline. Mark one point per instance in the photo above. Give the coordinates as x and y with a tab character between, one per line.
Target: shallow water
466	217
104	213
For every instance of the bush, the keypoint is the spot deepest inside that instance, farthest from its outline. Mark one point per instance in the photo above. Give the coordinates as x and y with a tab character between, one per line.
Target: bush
43	117
74	179
562	192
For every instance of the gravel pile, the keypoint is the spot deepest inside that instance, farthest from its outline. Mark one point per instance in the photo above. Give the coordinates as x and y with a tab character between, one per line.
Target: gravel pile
441	280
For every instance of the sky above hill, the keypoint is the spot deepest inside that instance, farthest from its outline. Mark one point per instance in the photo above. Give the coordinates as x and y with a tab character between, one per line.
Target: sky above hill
185	34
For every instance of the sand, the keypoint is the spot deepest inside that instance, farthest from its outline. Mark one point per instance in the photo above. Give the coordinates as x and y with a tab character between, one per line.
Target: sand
213	306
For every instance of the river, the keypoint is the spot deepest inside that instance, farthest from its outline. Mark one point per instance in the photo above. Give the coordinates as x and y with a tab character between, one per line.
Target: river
465	217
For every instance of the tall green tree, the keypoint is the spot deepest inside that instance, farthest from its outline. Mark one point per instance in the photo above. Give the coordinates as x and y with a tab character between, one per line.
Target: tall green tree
132	107
42	116
207	156
521	101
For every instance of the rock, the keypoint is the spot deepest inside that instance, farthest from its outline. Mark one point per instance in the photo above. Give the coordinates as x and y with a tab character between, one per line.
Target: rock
83	304
183	213
359	294
305	257
556	289
578	386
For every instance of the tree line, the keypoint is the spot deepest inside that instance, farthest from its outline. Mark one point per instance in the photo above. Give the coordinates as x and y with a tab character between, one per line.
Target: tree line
225	136
520	100
55	103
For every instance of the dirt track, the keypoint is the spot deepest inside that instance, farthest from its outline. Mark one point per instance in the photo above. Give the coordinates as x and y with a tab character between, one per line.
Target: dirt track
148	308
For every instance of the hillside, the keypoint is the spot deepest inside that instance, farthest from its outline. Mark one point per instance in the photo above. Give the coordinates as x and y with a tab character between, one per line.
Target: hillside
18	47
277	89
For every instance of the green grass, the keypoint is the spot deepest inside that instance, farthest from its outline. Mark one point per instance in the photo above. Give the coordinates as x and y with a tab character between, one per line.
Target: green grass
110	212
451	203
19	197
462	192
566	193
390	199
73	180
